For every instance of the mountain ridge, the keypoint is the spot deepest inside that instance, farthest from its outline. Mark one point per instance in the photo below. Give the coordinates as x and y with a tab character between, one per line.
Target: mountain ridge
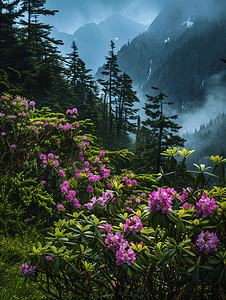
93	40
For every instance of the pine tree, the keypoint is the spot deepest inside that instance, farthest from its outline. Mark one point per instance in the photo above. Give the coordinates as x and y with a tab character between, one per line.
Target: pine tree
125	111
110	84
159	130
9	45
72	69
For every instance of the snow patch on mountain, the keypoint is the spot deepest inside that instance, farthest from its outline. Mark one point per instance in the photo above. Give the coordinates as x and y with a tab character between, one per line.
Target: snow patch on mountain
167	40
188	23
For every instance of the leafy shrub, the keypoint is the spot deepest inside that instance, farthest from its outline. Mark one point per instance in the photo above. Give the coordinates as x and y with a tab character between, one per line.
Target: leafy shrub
23	206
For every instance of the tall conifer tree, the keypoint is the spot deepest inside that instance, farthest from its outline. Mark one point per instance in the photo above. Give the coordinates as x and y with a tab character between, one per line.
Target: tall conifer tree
110	84
158	131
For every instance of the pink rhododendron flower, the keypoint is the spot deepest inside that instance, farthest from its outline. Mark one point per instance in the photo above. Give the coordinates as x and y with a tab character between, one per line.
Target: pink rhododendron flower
133	225
86	163
42	156
76	204
13	146
185	194
91	204
205	206
207	242
49	258
60	207
56	163
24	102
3	133
110	186
187	205
124	179
102	153
97	160
113	241
133	182
125	255
161	200
105	227
84	138
43	181
26	270
12	117
32	103
61	173
69	198
50	155
89	189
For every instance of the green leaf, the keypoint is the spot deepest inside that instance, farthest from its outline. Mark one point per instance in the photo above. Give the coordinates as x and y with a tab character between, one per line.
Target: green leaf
57	265
188	252
189	261
180	229
217	271
155	220
98	233
191	269
206	267
212	175
195	275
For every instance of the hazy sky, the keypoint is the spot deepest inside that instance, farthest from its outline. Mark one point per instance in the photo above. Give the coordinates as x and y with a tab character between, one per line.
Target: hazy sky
75	13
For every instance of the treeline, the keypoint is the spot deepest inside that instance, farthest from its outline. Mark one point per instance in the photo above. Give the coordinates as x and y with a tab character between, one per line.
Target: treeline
31	66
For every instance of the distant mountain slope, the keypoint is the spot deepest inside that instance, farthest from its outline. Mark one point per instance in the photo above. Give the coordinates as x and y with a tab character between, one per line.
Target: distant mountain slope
178	52
93	40
121	28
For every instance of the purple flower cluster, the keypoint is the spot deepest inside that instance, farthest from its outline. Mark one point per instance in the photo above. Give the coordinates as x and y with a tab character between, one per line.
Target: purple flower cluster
113	242
133	225
161	200
26	270
205	206
105	227
207	242
129	181
124	253
49	258
187	206
185	194
70	195
103	200
60	207
53	160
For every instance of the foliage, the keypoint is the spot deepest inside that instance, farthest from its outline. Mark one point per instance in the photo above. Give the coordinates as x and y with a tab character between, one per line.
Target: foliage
24	206
123	244
157	133
13	251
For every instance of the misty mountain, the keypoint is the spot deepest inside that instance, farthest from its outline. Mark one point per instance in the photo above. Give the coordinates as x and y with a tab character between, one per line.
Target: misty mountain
93	40
179	52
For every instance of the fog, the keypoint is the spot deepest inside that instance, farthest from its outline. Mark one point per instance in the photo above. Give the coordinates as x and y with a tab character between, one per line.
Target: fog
75	13
215	102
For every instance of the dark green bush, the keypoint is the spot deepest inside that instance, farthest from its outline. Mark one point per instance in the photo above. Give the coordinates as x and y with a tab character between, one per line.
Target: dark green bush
23	205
